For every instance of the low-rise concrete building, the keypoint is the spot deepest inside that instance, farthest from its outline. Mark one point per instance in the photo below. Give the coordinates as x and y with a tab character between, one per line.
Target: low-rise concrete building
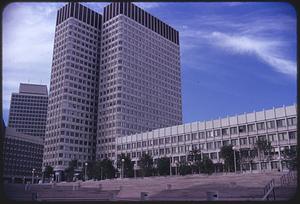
277	125
23	157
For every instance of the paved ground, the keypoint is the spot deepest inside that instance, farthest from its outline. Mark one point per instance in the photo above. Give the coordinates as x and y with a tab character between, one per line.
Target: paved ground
192	187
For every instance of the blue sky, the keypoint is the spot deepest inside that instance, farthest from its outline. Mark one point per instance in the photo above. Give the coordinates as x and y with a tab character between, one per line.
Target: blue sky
235	57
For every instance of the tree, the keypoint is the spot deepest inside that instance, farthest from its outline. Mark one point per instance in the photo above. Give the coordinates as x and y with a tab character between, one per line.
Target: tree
163	166
207	165
48	171
128	165
108	169
263	146
290	157
69	172
184	168
227	154
194	157
146	164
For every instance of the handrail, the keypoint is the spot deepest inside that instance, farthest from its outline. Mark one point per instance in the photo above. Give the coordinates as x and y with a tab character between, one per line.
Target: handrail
286	179
268	189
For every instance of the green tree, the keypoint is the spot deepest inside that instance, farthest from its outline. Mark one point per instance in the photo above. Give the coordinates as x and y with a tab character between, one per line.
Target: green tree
163	166
184	168
290	157
70	170
146	164
48	171
194	158
128	165
263	147
227	154
108	169
207	165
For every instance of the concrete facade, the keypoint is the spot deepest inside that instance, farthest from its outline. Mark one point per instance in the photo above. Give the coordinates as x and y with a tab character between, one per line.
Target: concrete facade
28	110
277	125
22	154
140	76
72	110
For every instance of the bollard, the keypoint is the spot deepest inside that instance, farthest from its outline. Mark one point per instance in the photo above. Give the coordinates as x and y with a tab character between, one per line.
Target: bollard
100	186
113	196
169	186
34	196
121	188
78	185
212	195
144	196
74	187
53	184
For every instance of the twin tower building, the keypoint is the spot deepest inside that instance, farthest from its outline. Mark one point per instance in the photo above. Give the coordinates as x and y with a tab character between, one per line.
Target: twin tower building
112	75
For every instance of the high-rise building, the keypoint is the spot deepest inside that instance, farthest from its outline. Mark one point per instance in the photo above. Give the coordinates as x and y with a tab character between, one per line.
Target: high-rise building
28	109
72	110
140	76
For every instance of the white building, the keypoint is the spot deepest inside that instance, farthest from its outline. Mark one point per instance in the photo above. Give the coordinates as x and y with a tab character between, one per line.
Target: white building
277	125
72	110
140	76
28	110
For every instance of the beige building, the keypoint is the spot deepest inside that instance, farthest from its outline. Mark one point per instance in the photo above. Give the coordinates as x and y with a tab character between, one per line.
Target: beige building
140	76
277	125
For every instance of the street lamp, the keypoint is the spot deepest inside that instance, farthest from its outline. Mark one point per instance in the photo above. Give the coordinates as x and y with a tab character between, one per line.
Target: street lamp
176	162
170	166
234	158
85	178
32	179
101	172
122	175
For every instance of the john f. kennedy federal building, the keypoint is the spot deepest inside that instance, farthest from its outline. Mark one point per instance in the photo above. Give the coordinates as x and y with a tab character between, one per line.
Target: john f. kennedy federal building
112	75
116	88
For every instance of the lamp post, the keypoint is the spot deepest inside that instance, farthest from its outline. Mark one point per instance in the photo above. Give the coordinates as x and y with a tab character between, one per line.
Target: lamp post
101	172
170	166
32	179
176	171
122	175
234	158
85	168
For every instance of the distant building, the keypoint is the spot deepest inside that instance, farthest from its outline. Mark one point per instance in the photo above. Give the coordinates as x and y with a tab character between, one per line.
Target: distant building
277	125
22	154
28	110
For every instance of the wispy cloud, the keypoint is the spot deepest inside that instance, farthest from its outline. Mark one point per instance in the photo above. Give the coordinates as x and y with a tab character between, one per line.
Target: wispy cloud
266	50
149	5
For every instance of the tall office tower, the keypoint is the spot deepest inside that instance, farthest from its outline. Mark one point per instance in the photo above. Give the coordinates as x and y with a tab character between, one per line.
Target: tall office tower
72	110
140	80
28	110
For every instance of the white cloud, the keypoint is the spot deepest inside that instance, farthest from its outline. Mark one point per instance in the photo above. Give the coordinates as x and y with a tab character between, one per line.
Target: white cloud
148	5
266	50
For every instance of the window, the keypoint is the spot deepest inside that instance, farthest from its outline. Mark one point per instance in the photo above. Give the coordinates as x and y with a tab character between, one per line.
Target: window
213	155
243	141
233	130
225	142
251	127
225	131
280	123
252	140
210	145
234	142
188	137
180	138
292	135
260	126
242	129
282	136
272	137
217	133
209	134
201	135
167	140
262	137
218	144
292	121
271	124
194	136
202	146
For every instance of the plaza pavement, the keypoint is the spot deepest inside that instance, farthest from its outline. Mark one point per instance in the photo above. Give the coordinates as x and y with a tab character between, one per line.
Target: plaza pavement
246	186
